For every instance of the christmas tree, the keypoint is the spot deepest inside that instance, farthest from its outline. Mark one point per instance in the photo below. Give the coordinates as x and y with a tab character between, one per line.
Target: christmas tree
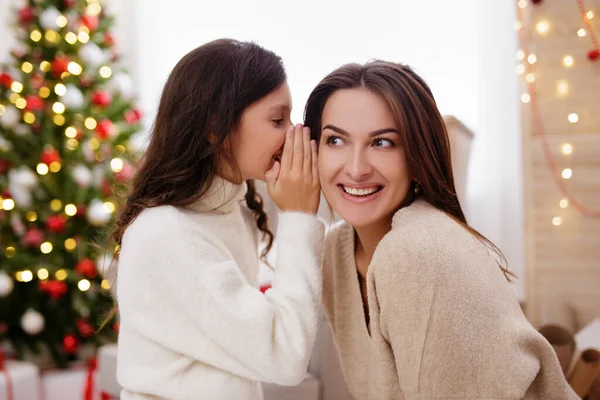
66	122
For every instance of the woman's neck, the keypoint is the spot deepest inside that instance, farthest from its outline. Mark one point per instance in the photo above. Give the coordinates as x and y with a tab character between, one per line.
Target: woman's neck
366	240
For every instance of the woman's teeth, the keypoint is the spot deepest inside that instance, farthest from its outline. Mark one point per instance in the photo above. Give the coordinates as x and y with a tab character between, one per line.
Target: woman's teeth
361	192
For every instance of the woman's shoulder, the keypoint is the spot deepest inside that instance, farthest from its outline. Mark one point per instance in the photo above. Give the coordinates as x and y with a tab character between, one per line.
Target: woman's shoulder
155	224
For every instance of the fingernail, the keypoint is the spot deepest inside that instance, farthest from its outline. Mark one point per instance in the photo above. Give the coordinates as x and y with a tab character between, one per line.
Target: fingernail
298	125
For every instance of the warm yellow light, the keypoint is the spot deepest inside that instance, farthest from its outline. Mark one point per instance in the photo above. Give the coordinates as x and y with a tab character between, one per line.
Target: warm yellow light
44	92
42	169
109	207
520	55
517	25
520	69
55	166
45	66
21	103
31	216
56	205
27	67
531	58
120	148
557	221
589	14
573	118
16	87
525	98
116	164
83	37
8	204
59	120
542	27
43	274
70	210
70	244
52	36
84	285
72	144
74	68
35	35
567	148
46	247
10	252
562	87
90	123
567	173
71	132
65	75
2	109
61	274
568	61
60	89
581	32
93	9
105	284
522	3
94	144
14	97
105	72
58	107
84	28
71	38
61	21
564	203
530	78
26	276
28	117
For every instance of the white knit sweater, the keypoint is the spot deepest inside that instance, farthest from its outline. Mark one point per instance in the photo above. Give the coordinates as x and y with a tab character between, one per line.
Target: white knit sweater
193	323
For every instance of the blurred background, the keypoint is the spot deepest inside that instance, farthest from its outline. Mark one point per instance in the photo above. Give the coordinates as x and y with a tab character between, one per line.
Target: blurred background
518	82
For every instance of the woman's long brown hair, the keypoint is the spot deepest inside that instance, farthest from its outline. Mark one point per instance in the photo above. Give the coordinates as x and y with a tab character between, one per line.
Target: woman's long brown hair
201	105
422	130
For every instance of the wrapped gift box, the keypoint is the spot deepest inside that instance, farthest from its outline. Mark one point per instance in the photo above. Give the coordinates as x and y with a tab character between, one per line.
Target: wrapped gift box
68	384
24	379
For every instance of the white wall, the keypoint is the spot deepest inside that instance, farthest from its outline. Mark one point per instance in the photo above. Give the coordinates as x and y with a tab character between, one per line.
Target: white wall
464	49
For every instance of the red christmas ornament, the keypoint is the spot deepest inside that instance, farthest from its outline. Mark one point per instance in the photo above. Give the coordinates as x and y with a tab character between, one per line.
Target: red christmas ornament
4	166
34	237
26	15
70	343
125	174
34	103
70	3
55	289
86	267
37	81
132	116
49	156
116	327
90	21
101	98
106	188
105	129
85	328
80	210
85	82
6	194
59	65
6	80
56	224
594	54
109	40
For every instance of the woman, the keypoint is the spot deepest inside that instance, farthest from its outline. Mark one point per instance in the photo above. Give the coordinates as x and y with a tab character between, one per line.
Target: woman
419	302
193	323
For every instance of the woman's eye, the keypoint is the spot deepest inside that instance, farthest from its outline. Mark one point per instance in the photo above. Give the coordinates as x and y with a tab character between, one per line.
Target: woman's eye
333	141
385	143
278	121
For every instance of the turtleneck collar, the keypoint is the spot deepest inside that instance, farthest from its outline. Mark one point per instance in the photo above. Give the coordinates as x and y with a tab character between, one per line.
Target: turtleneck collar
222	196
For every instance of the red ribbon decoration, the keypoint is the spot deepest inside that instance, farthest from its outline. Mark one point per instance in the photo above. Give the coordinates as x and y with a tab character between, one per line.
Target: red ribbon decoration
9	387
88	392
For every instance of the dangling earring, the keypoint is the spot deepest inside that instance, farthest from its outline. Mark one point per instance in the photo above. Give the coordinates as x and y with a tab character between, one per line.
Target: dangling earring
417	187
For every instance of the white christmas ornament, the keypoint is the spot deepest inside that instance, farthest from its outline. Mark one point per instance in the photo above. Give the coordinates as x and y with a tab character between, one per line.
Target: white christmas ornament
122	83
10	117
96	214
99	175
19	50
6	284
48	18
92	55
22	130
5	145
17	224
73	98
82	175
20	182
32	322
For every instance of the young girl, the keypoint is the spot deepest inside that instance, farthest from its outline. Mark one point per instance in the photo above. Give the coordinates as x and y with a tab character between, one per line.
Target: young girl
418	301
194	325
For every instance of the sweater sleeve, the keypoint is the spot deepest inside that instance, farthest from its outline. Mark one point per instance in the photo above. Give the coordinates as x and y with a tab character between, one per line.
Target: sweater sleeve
455	328
217	317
